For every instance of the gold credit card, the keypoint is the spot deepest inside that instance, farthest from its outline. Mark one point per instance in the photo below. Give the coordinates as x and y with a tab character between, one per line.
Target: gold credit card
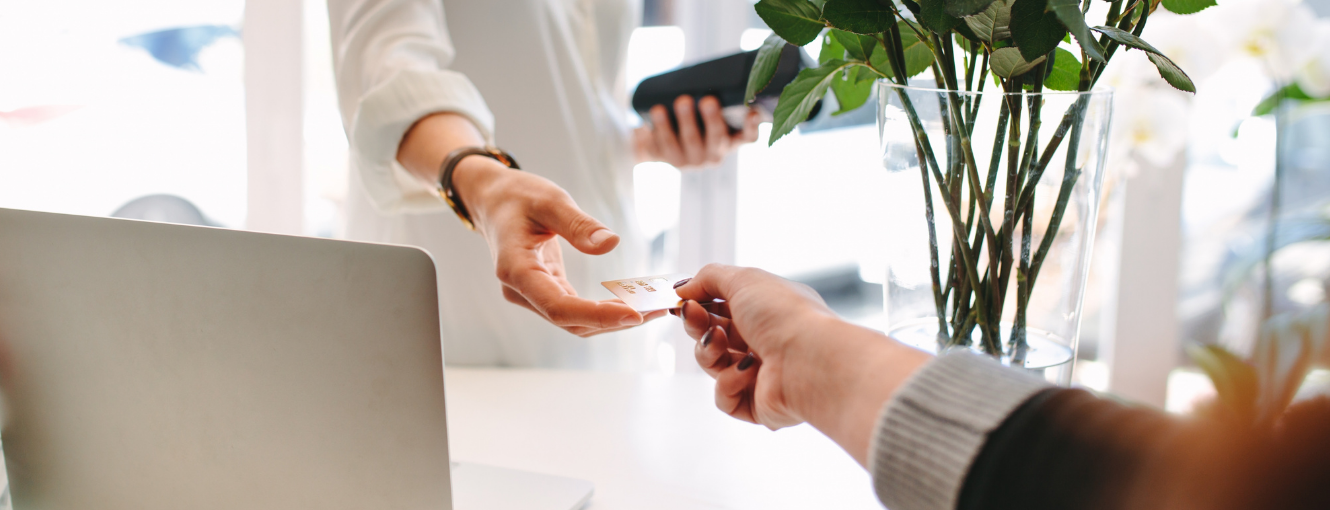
648	293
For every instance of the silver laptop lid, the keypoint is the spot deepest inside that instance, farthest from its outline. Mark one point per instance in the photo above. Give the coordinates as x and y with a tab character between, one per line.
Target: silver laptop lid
150	366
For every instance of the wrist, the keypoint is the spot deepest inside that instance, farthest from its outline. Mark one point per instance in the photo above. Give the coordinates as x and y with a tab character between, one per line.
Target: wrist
473	178
853	372
427	142
814	364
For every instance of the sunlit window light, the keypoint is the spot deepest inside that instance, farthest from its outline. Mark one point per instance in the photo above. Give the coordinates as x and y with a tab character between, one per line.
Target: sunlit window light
1091	374
1187	388
814	48
752	38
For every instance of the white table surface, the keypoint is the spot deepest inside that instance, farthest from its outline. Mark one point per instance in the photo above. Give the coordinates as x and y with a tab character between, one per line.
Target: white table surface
647	442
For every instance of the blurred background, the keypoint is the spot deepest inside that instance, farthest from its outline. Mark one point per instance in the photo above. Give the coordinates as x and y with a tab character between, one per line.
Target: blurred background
232	108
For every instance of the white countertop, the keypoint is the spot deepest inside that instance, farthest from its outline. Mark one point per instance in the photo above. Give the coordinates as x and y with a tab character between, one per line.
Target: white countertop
647	442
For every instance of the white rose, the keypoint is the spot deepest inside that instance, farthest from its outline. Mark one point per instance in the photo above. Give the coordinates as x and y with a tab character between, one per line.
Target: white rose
1151	122
1278	33
1314	74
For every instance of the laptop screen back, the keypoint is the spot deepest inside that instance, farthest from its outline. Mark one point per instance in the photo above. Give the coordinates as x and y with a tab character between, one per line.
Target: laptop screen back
150	366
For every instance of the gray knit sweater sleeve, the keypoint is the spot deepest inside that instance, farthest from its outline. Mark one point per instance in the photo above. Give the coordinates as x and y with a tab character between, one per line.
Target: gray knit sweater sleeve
930	432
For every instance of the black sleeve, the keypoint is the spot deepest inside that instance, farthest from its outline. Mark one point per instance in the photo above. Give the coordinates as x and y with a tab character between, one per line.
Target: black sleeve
1067	449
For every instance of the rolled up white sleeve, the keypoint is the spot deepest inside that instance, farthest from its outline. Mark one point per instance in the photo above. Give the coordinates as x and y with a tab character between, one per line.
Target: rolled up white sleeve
391	60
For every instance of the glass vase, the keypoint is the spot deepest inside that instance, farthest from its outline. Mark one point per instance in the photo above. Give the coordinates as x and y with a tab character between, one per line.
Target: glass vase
992	201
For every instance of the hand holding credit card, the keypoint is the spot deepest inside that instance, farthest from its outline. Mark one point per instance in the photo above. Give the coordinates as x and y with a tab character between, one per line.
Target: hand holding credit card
649	293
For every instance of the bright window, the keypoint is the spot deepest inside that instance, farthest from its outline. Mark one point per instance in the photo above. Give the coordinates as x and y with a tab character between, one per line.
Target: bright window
103	102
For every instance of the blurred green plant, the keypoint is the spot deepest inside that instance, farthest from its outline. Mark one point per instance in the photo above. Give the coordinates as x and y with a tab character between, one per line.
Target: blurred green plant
1256	391
1291	230
1290	92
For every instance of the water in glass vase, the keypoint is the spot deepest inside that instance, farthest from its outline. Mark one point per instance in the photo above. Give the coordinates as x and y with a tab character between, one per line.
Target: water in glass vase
1045	350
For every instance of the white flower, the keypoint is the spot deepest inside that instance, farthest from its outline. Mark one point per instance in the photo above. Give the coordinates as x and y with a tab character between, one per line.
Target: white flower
1314	74
1151	122
1279	33
1131	70
1189	41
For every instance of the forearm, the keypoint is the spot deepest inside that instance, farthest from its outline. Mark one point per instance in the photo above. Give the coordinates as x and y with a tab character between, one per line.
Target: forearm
428	143
391	59
842	380
431	139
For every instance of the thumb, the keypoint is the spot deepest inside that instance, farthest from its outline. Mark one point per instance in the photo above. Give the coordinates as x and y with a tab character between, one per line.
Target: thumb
585	233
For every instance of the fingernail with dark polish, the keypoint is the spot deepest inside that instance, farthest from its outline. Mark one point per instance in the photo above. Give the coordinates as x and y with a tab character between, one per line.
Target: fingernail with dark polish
746	362
682	282
706	337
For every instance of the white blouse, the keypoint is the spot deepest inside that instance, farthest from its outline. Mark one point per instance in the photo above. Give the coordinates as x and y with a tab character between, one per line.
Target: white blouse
544	80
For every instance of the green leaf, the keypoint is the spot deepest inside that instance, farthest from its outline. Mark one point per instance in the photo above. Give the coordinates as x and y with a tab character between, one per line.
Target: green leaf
1235	381
1127	39
764	66
964	31
859	47
831	50
1069	12
859	16
1283	356
963	8
1036	31
1172	73
1066	73
865	73
918	57
992	24
1290	91
796	21
933	14
1167	69
799	97
1008	62
1188	6
850	92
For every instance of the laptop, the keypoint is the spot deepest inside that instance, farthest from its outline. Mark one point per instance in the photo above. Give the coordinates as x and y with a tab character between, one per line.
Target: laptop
151	366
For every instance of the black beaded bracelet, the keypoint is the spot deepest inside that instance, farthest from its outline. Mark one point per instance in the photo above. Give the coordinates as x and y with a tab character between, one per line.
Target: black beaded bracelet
446	177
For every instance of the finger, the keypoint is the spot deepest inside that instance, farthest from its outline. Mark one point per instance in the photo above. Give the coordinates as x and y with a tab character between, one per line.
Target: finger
751	124
696	320
512	296
551	258
719	308
735	340
586	331
712	351
718	132
558	306
644	145
651	316
714	281
734	388
694	151
666	143
561	215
